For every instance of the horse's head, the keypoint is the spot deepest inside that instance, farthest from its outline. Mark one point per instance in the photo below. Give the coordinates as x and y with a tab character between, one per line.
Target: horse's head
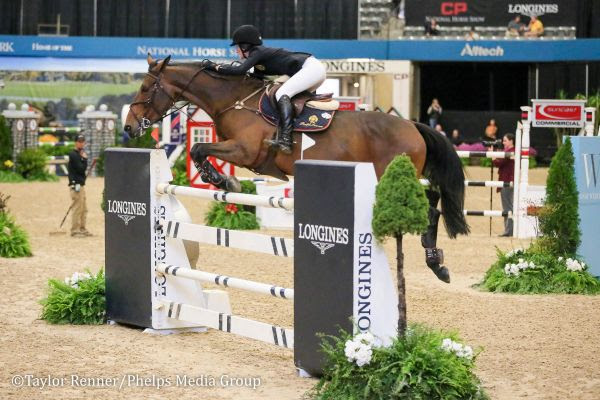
152	101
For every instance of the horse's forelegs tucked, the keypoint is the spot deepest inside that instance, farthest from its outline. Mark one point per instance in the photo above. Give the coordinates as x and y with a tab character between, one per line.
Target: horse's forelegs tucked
208	172
434	256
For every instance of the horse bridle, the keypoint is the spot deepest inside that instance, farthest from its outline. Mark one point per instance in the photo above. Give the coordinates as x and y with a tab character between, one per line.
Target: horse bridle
145	123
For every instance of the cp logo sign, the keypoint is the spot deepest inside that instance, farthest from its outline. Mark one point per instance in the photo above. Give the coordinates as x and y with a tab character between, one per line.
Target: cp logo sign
453	7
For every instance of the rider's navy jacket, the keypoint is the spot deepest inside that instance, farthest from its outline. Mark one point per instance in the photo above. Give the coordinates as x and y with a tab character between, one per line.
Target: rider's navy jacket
268	61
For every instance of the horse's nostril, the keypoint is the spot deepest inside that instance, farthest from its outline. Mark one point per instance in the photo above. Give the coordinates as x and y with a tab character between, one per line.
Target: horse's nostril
127	128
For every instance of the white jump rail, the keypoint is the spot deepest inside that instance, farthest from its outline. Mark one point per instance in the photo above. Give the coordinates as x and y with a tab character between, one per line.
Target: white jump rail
497	184
228	197
279	336
227	281
488	154
274	245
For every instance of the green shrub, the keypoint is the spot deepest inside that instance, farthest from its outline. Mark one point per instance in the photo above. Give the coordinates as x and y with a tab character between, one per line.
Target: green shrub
5	142
77	300
10	176
559	218
423	364
31	164
13	239
51	150
532	272
233	216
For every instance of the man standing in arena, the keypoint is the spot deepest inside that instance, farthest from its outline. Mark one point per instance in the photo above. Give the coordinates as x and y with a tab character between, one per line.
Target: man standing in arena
78	161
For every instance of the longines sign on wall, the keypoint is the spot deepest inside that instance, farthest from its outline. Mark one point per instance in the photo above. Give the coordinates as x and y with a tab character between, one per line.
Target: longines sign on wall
490	12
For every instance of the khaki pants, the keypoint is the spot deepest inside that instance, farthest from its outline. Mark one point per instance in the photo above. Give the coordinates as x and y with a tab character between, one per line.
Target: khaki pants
79	210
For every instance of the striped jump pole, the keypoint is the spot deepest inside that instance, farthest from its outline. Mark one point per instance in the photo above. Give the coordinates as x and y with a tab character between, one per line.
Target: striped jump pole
227	281
261	331
274	245
488	154
66	129
486	213
492	184
227	197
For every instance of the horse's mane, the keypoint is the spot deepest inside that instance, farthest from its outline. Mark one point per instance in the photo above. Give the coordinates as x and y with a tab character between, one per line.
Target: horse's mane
251	79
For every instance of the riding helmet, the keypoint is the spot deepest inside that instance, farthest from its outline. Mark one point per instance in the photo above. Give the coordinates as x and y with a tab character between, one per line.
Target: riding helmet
246	34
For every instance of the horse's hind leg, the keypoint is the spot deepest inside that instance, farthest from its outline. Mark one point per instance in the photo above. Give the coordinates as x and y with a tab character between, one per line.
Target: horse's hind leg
209	173
434	256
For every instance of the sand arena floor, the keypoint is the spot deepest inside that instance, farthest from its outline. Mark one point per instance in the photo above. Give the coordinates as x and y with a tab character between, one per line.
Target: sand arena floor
534	347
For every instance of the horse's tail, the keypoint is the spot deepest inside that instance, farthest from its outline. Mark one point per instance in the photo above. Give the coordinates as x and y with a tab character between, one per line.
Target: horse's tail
445	172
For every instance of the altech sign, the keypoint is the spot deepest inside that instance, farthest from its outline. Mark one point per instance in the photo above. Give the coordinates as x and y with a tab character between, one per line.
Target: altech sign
558	113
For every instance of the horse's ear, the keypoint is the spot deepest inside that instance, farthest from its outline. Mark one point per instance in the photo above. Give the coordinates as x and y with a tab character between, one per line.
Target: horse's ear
165	62
151	61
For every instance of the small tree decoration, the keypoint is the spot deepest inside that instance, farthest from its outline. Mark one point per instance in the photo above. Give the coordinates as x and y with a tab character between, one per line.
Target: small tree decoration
400	207
559	218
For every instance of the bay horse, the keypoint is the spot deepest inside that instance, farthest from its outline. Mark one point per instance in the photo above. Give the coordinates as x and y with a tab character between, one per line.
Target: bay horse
375	137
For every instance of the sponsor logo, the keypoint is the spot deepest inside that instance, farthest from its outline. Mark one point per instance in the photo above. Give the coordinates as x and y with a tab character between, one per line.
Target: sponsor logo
323	237
364	281
591	166
326	115
561	115
35	46
453	7
163	51
553	112
482	51
532	9
7	47
126	210
355	66
313	119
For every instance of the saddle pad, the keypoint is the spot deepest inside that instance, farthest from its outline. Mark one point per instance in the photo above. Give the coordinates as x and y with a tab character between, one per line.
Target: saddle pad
310	120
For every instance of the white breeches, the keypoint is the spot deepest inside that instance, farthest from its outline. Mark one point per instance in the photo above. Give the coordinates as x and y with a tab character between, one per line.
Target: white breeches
311	76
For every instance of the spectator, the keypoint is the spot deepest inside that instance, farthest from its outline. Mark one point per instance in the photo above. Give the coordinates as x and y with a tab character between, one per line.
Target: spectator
515	27
431	28
77	166
506	168
472	35
434	112
456	138
535	27
490	131
439	129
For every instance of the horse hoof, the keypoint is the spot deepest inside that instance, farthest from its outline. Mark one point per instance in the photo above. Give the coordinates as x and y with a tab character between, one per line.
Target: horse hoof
442	273
233	185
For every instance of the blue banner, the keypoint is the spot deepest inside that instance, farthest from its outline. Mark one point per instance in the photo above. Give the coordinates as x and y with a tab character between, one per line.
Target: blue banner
414	50
586	150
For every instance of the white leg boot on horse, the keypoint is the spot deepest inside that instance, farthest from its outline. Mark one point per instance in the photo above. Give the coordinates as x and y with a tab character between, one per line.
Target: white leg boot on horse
284	139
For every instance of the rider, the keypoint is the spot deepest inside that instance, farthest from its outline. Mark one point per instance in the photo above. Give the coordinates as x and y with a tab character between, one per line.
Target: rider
304	70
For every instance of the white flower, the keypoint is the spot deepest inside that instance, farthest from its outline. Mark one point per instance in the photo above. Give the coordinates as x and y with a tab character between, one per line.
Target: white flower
74	280
560	258
350	350
513	252
460	350
366	338
574	265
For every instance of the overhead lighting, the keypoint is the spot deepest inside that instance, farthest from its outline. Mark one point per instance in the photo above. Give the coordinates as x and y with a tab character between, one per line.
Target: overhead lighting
356	84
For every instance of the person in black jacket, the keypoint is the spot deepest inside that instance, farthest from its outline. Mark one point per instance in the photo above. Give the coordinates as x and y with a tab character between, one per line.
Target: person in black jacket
304	70
77	166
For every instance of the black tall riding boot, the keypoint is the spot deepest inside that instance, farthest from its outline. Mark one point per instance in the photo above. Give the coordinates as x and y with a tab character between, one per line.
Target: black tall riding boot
285	130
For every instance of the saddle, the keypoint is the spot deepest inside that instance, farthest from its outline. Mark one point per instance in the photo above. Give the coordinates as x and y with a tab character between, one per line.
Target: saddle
313	112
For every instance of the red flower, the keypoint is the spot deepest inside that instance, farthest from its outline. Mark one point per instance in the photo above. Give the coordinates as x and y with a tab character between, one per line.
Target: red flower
231	208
